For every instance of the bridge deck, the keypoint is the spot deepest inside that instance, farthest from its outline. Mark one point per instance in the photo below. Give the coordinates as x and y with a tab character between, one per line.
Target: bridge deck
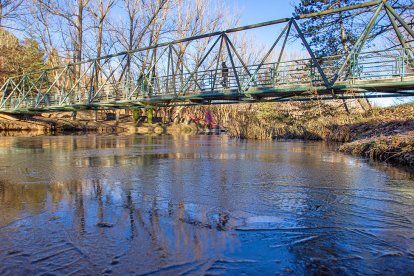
368	76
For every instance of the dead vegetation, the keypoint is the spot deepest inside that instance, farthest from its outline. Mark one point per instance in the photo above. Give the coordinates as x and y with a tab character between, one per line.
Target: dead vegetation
384	134
398	149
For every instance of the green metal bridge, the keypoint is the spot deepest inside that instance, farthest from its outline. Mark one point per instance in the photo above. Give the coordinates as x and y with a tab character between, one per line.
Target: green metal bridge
221	74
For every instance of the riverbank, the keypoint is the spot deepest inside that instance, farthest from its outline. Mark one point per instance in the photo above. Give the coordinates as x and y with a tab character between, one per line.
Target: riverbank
397	149
387	136
382	134
46	125
87	122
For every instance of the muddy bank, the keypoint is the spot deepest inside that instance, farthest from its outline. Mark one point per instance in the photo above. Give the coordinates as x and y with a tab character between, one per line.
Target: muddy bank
55	123
43	125
10	124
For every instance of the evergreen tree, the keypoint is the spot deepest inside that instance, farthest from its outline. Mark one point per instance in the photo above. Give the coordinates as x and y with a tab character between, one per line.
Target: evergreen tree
331	34
335	34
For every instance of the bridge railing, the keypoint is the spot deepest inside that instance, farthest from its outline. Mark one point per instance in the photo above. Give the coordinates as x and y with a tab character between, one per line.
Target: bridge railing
382	65
367	66
65	86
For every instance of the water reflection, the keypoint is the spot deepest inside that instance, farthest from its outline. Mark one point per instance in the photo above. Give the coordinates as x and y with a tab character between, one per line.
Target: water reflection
198	204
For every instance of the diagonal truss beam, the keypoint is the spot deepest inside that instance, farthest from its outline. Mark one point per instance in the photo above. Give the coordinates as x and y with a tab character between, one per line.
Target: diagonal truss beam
218	62
400	36
34	85
16	87
49	89
94	94
313	57
76	83
287	27
186	67
201	61
396	15
236	75
246	68
359	43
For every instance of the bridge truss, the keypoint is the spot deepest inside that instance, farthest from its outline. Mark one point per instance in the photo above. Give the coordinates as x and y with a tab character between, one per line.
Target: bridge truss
183	73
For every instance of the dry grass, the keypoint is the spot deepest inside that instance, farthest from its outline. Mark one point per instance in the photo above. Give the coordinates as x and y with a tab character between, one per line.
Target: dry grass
326	122
397	148
385	134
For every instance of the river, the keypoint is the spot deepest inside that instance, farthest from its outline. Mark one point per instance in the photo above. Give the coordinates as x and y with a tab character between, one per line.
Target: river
170	205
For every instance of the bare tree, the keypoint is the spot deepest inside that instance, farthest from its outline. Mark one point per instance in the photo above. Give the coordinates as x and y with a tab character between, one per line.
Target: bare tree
74	16
141	14
9	10
100	9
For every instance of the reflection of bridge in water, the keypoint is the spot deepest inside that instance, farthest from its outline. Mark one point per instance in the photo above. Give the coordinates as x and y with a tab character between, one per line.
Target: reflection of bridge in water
221	75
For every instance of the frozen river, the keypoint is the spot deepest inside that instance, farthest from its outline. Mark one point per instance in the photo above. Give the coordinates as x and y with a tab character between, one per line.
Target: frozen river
199	205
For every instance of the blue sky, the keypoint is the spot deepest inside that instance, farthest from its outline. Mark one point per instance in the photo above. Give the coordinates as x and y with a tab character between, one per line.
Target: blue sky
255	11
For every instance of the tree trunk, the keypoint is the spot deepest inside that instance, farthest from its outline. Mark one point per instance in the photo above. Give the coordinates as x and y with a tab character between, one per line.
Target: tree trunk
79	37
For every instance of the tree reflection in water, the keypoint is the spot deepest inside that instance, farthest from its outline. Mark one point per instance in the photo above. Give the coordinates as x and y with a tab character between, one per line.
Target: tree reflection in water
198	204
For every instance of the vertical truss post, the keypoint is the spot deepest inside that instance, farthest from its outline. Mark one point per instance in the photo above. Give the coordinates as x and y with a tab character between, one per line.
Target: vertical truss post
283	47
218	61
62	90
181	75
128	81
361	40
402	65
72	73
172	69
313	57
234	67
91	85
168	67
70	85
287	27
